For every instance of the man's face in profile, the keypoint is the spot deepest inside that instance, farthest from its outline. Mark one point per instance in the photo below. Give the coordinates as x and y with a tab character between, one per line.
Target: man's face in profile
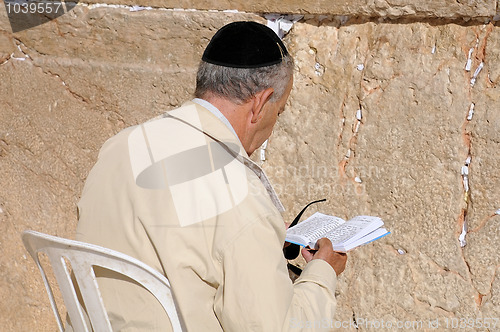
271	112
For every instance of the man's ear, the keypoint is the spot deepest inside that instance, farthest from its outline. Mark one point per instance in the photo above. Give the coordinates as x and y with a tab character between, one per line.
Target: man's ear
259	100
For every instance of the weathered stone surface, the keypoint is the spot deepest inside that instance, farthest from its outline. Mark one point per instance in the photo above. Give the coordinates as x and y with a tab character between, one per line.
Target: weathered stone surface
372	8
484	130
67	86
402	161
70	84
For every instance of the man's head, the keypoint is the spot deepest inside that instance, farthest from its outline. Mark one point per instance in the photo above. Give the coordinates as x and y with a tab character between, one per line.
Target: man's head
241	84
247	64
242	59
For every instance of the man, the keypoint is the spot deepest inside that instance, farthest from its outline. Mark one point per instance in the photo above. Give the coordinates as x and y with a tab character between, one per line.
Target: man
180	194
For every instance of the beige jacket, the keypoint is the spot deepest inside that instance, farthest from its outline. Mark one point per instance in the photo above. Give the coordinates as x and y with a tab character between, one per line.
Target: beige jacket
180	194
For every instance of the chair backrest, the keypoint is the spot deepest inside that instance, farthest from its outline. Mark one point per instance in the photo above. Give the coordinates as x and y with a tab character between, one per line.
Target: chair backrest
83	257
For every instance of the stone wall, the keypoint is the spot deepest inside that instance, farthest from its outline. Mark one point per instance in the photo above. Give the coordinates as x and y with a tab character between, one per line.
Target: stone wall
383	120
368	8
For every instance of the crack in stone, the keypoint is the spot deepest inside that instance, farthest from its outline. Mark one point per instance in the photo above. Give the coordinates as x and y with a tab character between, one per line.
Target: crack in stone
479	56
491	284
444	270
352	141
483	223
40	174
342	113
6	60
20	45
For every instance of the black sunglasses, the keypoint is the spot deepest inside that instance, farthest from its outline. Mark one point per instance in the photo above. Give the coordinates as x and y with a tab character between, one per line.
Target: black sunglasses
292	251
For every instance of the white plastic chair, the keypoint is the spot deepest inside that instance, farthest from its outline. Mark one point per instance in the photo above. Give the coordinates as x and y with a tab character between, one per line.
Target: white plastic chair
83	257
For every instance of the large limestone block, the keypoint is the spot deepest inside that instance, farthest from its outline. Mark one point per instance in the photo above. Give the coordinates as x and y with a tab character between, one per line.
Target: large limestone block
44	153
67	86
377	124
372	8
483	213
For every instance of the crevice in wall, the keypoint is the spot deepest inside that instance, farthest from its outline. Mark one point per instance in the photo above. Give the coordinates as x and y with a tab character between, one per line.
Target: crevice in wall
488	294
137	8
6	60
355	129
22	49
360	17
475	59
342	122
476	55
351	145
354	321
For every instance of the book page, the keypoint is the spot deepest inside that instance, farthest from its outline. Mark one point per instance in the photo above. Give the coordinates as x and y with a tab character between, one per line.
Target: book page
315	227
354	229
375	235
348	245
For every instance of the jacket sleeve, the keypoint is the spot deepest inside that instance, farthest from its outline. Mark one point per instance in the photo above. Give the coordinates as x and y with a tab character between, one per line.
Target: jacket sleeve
257	293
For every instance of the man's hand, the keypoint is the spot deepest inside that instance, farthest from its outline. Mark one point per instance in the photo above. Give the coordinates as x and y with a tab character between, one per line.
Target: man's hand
325	252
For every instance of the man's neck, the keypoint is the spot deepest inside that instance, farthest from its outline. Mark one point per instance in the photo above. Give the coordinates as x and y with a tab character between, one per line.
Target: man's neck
236	114
215	111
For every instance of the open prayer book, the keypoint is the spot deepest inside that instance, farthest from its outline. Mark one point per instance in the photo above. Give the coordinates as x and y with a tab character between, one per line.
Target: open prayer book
345	235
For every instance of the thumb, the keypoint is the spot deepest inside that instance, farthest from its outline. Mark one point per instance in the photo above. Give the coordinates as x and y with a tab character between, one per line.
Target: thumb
324	243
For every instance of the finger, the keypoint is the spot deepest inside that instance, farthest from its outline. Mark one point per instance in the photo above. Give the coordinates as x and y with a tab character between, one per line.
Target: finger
341	256
308	256
324	243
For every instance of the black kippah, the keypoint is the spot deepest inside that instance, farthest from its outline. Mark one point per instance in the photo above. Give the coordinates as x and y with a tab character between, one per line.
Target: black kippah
245	45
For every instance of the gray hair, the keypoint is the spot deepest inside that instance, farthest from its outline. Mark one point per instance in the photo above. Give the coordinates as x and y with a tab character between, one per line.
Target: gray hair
241	84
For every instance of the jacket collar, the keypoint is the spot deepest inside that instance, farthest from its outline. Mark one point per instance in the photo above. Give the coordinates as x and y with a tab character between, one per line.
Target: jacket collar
214	128
210	125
